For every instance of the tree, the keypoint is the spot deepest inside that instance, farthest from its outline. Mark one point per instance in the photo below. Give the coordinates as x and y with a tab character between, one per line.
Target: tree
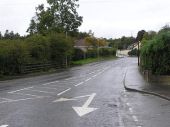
61	16
140	35
1	35
149	35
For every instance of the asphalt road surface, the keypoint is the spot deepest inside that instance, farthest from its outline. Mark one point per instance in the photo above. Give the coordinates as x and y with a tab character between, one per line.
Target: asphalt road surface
87	96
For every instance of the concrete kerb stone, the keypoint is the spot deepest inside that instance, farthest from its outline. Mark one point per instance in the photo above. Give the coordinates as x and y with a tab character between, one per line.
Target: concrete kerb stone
142	91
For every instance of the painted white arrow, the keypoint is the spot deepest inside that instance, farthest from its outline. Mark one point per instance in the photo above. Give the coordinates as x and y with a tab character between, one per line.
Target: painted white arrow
81	111
4	126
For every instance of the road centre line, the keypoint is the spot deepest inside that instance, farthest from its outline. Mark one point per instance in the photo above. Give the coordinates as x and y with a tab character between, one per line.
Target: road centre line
127	104
79	84
130	109
63	91
135	118
21	89
88	79
20	100
94	76
50	83
49	88
6	99
29	95
42	91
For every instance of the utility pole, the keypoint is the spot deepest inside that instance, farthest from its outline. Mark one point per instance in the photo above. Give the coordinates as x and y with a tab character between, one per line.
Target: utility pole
98	49
66	55
138	53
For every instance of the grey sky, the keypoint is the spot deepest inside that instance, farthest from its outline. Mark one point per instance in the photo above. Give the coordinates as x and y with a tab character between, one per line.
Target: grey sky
106	18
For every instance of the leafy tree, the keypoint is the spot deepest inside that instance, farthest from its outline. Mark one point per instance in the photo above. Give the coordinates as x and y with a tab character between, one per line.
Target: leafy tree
149	35
95	42
140	35
61	16
1	35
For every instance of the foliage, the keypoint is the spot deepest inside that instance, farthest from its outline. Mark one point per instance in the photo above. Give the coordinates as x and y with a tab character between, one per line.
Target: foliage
61	16
107	52
155	54
14	54
140	35
133	52
121	43
95	42
78	54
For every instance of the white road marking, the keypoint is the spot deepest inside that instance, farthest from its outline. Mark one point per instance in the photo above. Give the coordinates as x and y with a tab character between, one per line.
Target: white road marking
87	79
6	99
20	100
69	78
79	84
29	95
131	110
63	100
21	89
49	88
127	104
41	91
94	76
50	83
121	124
81	111
4	126
63	91
81	96
135	118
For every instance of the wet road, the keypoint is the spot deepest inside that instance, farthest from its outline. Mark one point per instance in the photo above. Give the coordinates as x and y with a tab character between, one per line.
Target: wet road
88	96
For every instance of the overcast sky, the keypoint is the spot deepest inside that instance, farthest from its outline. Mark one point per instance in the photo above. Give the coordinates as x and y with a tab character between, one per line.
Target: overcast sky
106	18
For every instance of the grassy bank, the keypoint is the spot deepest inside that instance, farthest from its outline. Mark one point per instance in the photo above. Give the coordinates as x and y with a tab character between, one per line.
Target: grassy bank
91	60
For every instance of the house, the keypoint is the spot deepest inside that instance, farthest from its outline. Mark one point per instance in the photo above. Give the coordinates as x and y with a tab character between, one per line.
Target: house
81	44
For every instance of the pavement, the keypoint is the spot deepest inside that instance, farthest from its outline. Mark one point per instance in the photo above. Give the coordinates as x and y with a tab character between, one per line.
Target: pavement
135	80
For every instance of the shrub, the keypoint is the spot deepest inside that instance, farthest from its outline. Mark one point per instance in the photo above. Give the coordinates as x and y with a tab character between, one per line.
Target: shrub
155	54
78	54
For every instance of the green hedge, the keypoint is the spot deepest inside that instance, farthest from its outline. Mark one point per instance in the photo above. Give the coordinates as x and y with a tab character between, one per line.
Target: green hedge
155	54
35	49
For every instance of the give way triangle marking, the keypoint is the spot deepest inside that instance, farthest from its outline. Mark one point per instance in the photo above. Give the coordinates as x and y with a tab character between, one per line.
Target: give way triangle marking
83	110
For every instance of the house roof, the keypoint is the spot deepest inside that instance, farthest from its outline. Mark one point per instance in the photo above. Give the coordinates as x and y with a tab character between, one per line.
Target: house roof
80	43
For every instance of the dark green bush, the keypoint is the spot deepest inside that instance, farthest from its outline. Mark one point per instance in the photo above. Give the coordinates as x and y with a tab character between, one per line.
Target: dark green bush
155	54
133	52
92	53
78	54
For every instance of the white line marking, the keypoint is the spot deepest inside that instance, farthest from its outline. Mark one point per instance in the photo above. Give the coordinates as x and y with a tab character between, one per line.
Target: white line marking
135	118
50	83
49	88
121	124
94	76
42	91
130	109
20	100
81	96
88	79
6	99
127	104
4	126
28	95
21	90
63	91
79	84
69	78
